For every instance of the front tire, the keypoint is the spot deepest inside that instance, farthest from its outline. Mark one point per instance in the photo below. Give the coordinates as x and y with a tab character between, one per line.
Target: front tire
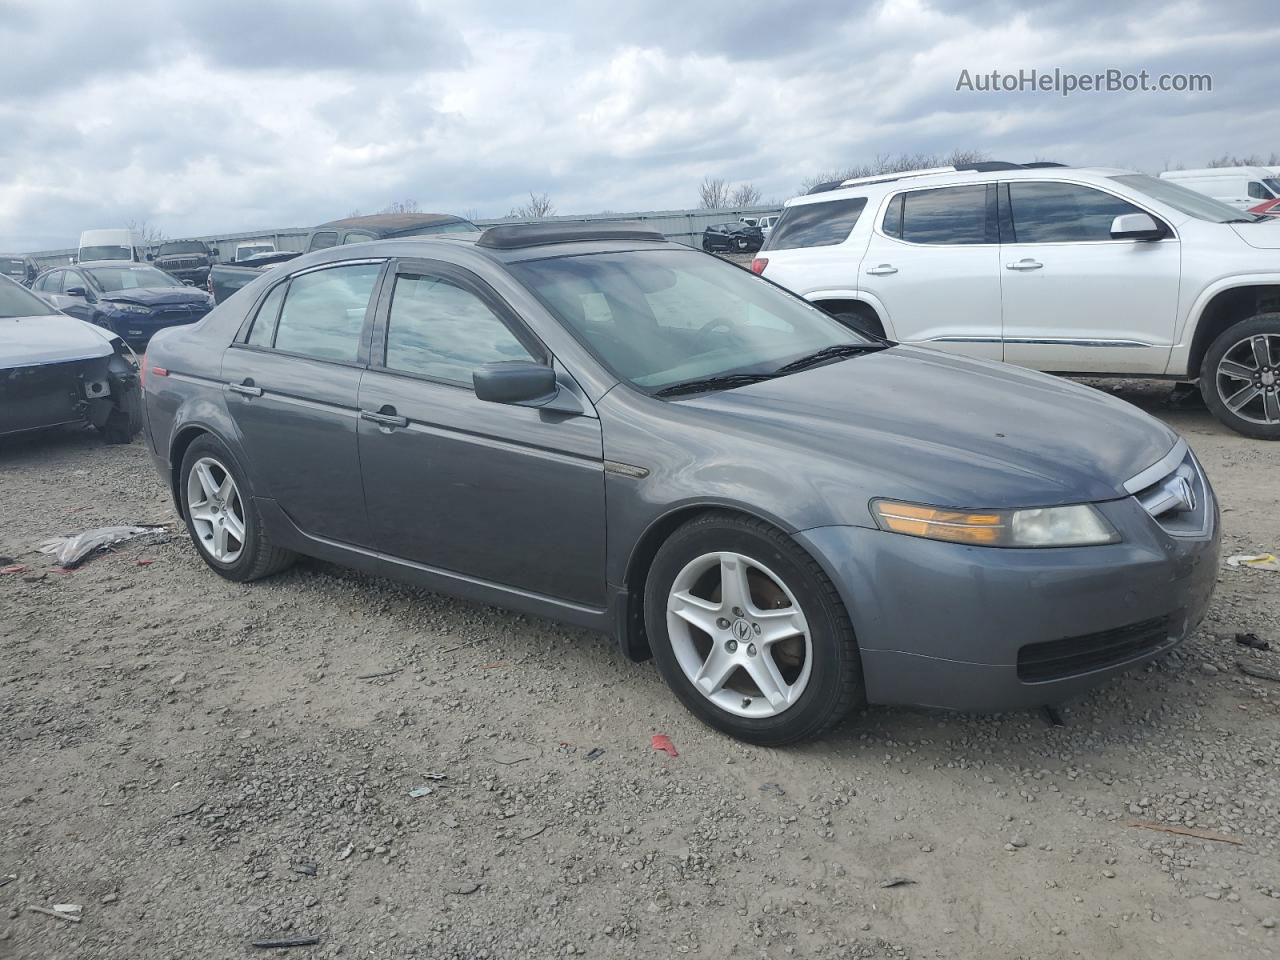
1240	377
221	515
749	633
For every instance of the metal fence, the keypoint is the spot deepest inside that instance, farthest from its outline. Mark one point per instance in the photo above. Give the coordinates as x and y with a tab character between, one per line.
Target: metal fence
682	226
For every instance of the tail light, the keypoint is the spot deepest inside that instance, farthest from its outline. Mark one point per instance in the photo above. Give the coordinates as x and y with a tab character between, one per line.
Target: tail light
758	264
144	368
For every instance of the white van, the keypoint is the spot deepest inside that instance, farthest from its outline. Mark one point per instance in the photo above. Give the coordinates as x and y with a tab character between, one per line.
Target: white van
120	244
1242	187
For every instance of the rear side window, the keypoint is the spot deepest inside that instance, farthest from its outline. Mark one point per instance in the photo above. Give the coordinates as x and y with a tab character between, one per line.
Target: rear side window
323	312
816	224
948	215
892	225
1063	212
322	241
444	331
1259	192
264	324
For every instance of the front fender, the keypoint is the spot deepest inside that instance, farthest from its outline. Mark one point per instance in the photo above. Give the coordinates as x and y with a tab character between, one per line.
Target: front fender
1185	335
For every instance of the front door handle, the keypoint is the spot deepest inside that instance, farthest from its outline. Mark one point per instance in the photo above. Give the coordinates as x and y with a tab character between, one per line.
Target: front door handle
883	270
386	417
1025	263
246	387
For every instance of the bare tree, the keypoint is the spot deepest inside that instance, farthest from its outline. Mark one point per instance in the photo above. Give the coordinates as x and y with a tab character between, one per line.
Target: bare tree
1253	160
539	206
401	206
893	163
713	194
152	236
745	195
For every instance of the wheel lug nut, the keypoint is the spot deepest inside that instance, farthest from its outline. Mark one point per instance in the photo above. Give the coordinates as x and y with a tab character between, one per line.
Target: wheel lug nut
731	646
751	649
722	623
756	628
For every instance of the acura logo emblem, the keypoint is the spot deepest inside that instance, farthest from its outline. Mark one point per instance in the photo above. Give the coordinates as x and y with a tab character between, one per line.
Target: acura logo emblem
741	630
1186	495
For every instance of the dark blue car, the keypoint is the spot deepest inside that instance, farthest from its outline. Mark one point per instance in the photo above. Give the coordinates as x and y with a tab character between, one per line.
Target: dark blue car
133	300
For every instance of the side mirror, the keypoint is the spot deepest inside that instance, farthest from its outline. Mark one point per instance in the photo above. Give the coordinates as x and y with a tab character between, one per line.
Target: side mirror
1136	226
213	252
150	257
75	292
518	381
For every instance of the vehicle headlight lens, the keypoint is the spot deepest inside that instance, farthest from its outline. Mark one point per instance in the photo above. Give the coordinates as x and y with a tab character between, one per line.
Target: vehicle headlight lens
1074	526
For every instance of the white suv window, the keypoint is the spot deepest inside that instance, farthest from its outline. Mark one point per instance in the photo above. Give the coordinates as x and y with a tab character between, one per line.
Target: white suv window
816	224
1062	212
946	215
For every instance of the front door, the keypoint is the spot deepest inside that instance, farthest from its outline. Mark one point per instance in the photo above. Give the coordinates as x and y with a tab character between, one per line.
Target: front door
1076	301
933	262
292	386
506	494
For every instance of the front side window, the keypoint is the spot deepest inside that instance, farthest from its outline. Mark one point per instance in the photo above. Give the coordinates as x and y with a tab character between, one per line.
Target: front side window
1258	191
662	317
117	279
441	330
323	241
323	313
816	224
49	282
947	215
1063	212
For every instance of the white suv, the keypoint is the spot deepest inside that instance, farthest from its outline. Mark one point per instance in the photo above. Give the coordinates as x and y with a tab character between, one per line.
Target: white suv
1067	270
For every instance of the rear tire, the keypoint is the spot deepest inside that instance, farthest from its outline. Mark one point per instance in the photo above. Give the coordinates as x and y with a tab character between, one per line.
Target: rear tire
1240	377
792	632
256	557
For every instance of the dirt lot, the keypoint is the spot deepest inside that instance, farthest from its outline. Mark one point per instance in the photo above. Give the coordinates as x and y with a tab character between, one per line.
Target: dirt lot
201	765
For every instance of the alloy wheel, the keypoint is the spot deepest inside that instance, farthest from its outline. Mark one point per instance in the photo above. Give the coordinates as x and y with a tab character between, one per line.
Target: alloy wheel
1248	378
216	509
739	635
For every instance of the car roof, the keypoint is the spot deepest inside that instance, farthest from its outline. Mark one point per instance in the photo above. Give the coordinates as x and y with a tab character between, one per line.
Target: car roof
893	183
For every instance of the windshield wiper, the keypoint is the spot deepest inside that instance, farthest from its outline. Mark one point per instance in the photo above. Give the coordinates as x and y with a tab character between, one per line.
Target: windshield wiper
829	353
725	381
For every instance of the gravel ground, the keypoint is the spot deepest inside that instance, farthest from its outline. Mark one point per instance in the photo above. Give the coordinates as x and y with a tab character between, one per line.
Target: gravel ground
202	764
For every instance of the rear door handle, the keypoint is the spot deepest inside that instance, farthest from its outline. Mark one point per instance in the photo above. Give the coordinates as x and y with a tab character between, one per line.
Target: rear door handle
247	388
883	270
384	419
1024	264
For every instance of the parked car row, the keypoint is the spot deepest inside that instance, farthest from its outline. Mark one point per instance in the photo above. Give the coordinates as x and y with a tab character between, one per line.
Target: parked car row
1070	270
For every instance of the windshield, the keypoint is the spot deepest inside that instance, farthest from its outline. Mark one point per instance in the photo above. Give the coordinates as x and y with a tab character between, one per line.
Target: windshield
181	246
1273	184
111	252
115	279
660	317
1184	200
17	301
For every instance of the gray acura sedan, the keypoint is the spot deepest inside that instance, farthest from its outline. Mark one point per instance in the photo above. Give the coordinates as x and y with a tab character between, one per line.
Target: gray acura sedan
618	432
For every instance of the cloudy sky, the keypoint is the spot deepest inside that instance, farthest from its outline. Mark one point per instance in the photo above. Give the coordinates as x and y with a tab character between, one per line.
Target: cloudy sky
230	115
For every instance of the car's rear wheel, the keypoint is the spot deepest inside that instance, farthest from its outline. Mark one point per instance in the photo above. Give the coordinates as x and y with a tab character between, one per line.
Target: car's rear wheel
1240	377
749	633
221	516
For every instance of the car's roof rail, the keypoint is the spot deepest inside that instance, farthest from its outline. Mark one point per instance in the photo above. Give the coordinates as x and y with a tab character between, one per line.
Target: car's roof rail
513	236
980	166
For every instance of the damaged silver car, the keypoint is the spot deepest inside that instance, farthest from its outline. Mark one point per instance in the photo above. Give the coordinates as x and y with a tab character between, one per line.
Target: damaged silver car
55	370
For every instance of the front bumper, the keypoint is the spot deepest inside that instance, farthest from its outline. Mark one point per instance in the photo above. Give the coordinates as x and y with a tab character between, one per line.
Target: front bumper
982	629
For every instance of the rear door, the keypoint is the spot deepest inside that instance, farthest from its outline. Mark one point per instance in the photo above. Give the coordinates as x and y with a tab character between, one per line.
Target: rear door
506	494
1075	300
292	381
933	263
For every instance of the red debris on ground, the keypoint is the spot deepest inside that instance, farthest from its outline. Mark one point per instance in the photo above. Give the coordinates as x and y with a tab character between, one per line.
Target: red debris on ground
662	742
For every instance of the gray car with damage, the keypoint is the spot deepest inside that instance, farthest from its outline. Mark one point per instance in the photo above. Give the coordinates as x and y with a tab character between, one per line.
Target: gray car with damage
56	370
605	428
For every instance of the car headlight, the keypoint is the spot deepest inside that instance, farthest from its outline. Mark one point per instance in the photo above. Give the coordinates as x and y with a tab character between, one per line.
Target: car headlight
131	308
1074	526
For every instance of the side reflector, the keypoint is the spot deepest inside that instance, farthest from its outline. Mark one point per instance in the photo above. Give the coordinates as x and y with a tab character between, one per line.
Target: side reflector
758	264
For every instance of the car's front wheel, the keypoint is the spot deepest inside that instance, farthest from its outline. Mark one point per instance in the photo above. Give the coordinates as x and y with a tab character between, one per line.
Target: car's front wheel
742	244
1240	377
221	516
749	633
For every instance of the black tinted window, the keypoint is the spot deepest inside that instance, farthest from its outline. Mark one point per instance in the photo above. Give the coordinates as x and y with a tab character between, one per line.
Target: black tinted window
322	241
1258	191
1063	212
439	329
950	215
816	224
264	324
324	312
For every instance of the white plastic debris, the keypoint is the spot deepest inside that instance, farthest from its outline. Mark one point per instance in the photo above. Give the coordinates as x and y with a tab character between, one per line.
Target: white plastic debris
1259	561
71	551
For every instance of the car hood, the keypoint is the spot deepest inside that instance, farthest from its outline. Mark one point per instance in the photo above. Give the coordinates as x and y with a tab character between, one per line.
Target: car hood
1264	236
951	431
57	338
158	296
